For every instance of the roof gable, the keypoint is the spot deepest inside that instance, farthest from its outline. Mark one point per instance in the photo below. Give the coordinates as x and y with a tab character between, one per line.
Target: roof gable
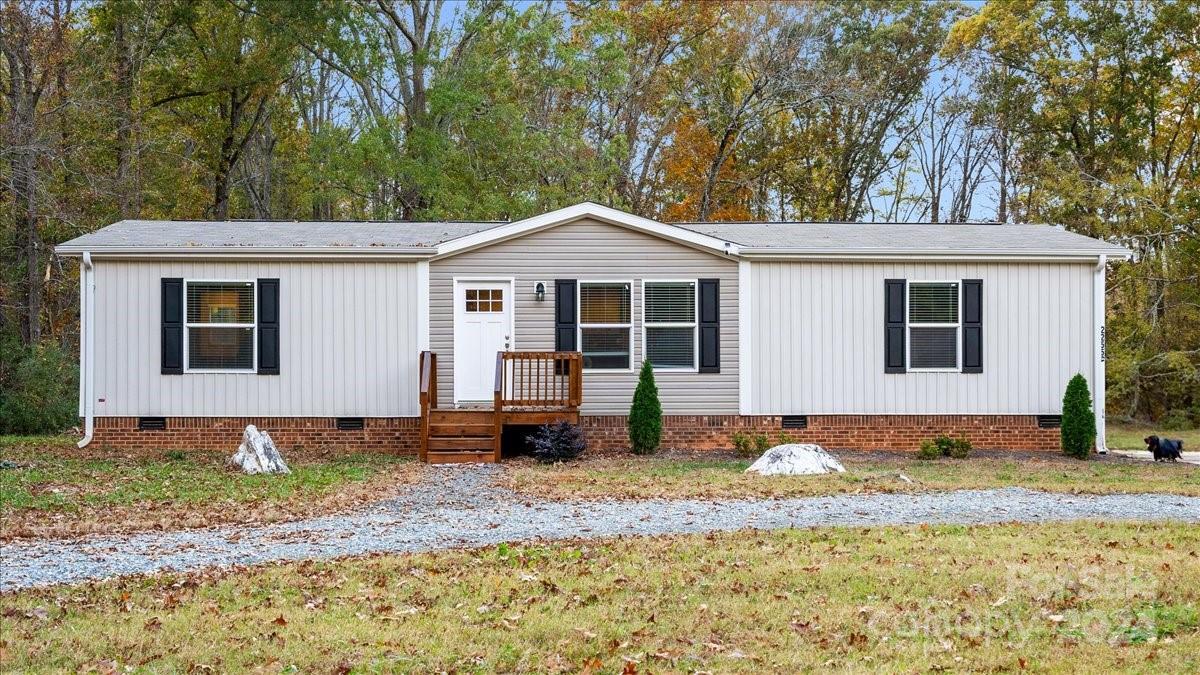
592	211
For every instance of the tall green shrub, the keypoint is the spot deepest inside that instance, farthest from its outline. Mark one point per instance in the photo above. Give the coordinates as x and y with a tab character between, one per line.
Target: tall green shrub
38	389
1078	421
645	415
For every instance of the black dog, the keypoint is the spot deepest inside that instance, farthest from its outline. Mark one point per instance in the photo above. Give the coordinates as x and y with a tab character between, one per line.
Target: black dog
1165	449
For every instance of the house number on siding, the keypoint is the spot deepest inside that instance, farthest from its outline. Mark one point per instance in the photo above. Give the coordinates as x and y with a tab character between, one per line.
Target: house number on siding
1103	345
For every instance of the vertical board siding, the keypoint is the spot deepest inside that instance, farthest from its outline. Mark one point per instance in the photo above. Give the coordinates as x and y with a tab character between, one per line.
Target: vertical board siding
816	332
590	250
348	343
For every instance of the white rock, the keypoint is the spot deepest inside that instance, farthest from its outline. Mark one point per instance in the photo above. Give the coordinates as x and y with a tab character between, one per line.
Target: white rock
257	454
796	459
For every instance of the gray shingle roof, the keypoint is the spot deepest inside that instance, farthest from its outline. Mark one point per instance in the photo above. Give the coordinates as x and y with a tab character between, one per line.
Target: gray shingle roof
900	237
184	234
818	238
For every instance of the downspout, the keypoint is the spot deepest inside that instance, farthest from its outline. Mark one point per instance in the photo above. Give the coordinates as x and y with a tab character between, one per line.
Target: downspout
87	303
1098	353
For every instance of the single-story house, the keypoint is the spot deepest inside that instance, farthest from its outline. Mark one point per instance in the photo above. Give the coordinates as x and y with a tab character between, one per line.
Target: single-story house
431	337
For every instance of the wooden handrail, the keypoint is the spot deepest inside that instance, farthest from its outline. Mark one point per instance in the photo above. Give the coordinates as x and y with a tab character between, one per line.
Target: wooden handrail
539	380
427	367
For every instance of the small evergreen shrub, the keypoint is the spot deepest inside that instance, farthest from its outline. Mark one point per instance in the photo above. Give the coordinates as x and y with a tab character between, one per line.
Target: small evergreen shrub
959	448
762	443
645	415
557	442
944	446
929	450
754	445
742	444
786	439
1078	431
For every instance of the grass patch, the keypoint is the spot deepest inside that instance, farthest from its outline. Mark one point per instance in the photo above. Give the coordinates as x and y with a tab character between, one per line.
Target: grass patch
673	476
56	490
1129	436
1059	598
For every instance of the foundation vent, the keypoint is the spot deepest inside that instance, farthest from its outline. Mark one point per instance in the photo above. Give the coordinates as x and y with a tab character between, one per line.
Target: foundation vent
1049	421
152	423
350	424
795	421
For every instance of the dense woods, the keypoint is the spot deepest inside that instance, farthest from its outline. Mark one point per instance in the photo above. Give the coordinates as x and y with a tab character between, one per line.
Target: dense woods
1084	114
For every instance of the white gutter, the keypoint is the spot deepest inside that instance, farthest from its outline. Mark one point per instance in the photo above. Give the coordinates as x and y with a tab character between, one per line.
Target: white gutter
256	252
924	254
87	304
1098	352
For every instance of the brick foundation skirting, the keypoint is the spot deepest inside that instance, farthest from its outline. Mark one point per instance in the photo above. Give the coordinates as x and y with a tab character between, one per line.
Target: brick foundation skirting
842	432
392	435
401	435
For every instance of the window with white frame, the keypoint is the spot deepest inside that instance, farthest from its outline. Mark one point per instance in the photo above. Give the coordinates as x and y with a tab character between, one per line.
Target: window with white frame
669	324
605	324
933	325
220	322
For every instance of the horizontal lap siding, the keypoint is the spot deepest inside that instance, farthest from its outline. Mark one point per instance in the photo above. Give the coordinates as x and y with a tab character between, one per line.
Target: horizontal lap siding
591	250
816	333
348	343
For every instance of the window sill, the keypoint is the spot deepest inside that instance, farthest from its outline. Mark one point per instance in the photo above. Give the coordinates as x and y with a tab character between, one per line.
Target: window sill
205	371
934	370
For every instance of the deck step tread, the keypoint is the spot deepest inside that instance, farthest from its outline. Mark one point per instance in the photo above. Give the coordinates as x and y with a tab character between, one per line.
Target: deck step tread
461	443
458	430
461	417
459	457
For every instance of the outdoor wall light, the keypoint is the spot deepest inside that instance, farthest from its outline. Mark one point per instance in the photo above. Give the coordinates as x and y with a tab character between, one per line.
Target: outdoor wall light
539	291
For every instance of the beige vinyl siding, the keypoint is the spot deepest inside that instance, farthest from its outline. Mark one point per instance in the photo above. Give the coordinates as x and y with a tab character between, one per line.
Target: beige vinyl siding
348	342
815	338
590	250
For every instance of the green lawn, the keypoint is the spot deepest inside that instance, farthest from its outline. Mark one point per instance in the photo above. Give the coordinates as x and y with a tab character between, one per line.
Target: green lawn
1056	598
1129	436
674	476
54	479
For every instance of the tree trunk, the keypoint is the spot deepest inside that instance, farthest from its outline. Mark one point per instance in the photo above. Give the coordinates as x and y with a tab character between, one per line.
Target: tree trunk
126	191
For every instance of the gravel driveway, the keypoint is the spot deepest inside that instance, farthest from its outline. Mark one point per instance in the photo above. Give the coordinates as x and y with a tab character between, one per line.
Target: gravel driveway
458	506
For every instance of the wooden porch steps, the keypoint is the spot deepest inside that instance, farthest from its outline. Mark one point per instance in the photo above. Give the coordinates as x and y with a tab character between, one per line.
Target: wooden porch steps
531	388
457	436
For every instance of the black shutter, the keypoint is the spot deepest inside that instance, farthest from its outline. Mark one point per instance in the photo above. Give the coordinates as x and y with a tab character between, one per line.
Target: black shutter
565	316
172	327
710	325
893	326
972	326
268	326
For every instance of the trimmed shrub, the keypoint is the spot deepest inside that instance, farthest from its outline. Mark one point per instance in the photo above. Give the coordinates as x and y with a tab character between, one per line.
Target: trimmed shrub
645	415
38	389
742	444
762	443
929	450
557	442
944	446
1078	431
959	448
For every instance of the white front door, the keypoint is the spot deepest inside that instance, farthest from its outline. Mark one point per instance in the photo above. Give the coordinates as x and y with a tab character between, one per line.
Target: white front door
483	312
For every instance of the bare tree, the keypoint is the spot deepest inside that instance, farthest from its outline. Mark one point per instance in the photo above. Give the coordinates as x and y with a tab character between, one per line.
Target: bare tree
34	44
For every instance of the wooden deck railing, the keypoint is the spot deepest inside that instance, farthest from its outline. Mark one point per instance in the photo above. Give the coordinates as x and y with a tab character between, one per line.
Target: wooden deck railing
429	395
552	380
